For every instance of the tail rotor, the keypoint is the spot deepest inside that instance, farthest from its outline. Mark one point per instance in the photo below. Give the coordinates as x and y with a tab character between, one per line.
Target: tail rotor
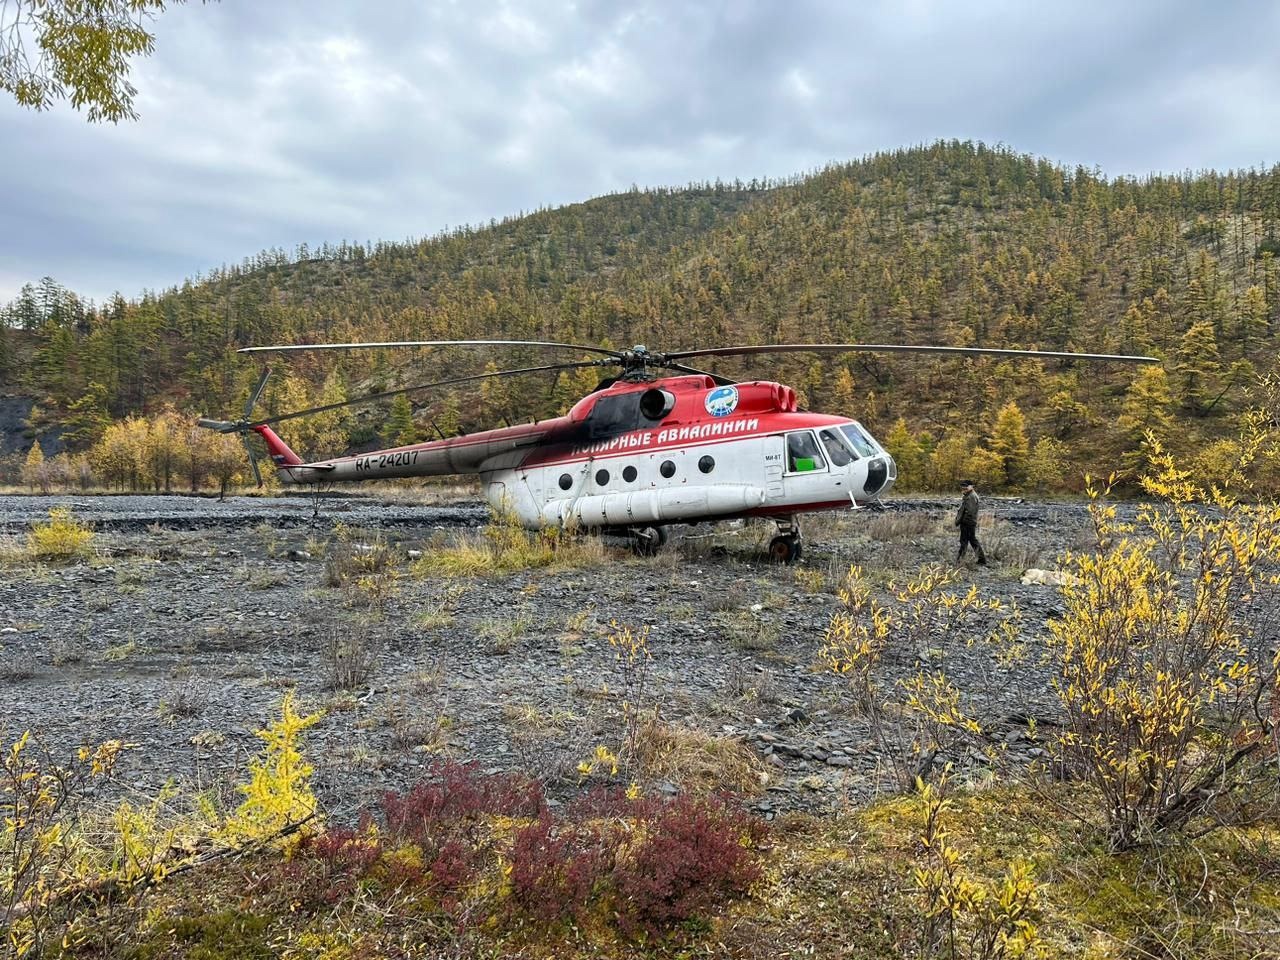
242	426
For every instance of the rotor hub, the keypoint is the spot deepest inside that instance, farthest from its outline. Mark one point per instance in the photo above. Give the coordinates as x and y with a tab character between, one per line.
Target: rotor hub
636	363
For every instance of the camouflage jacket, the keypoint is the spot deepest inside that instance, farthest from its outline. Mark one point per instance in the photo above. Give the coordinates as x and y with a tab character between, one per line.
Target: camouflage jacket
967	515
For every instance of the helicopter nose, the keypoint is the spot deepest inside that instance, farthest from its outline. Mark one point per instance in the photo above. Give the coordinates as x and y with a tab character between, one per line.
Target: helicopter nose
881	472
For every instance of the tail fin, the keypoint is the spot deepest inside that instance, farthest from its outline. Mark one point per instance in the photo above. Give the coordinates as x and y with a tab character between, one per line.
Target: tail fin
280	453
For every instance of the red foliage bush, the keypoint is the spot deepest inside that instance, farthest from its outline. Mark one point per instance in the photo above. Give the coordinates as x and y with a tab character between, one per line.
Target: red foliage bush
446	817
690	855
657	863
343	851
557	868
454	796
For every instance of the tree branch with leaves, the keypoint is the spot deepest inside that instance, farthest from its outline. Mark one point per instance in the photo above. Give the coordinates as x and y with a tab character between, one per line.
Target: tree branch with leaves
75	49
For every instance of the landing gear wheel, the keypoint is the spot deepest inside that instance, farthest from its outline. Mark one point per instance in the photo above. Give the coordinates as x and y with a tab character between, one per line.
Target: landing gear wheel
785	548
648	541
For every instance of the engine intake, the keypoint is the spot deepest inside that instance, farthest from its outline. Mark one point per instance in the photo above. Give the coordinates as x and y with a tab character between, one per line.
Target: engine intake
656	403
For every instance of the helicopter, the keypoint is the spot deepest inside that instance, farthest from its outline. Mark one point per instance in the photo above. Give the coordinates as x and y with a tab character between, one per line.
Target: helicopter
657	443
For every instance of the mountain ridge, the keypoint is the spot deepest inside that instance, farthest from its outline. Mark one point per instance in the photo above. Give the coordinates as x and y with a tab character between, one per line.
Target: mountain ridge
954	243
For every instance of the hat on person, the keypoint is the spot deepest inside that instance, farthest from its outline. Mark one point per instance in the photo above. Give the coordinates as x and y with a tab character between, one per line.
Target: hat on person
966	483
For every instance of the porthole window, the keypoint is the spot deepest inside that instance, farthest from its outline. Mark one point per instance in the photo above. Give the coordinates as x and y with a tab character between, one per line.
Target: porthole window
566	481
668	469
707	464
602	478
629	474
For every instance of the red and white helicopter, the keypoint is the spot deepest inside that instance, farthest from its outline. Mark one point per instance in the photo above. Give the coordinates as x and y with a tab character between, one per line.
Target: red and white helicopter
644	449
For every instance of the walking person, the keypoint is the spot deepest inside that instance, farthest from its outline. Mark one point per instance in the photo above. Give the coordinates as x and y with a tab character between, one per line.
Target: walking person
967	521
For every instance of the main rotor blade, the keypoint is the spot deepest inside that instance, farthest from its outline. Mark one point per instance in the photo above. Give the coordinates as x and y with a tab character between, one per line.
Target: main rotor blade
422	386
720	381
253	460
391	344
902	348
255	393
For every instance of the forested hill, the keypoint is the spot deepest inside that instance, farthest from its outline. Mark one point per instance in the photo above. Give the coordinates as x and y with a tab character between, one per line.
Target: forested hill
955	243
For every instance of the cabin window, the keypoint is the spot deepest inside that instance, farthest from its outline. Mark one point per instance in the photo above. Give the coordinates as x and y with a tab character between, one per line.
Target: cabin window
566	481
629	474
836	450
859	439
707	464
803	455
615	414
602	478
668	469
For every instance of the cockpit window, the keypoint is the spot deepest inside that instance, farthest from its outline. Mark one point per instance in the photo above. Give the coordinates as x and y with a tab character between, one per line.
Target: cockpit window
803	454
859	439
836	450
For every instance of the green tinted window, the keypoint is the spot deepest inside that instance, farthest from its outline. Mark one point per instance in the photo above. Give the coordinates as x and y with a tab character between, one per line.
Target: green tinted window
803	453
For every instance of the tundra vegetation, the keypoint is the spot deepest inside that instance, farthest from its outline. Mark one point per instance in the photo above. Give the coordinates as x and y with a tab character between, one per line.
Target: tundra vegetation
1148	825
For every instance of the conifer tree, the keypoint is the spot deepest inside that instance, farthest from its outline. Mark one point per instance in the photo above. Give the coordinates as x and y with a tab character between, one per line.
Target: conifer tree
1253	320
1046	465
88	417
1009	442
908	454
33	472
1147	409
400	427
449	419
563	395
1198	367
495	395
842	393
320	434
163	450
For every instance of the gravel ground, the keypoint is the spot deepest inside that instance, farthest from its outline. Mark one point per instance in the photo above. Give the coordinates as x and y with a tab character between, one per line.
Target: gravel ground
194	616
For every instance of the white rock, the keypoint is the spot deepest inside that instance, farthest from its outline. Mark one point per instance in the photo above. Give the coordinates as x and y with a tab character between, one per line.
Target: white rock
1048	578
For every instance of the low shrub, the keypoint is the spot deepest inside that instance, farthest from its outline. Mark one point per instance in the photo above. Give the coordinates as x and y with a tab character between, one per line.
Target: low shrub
1166	669
61	537
456	794
229	935
491	844
557	868
691	855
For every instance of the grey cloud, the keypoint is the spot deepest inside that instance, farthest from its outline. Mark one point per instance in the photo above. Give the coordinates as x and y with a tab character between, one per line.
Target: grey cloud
270	124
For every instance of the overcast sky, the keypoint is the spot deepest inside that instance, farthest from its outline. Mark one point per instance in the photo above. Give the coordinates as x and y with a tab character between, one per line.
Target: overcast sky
273	122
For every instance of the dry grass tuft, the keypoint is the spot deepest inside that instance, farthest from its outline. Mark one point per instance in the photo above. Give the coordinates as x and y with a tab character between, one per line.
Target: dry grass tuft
697	761
896	526
505	547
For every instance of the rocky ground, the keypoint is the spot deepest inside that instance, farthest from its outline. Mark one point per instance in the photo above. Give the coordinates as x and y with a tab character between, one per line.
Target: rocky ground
192	618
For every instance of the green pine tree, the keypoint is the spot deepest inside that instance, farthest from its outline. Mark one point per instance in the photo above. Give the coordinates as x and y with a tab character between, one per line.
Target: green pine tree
87	418
1198	367
401	430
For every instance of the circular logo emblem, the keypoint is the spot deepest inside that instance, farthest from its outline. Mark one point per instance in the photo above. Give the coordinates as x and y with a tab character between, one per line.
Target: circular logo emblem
722	401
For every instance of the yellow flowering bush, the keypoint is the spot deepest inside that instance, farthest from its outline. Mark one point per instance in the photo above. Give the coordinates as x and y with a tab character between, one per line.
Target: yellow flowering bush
965	917
1164	666
922	714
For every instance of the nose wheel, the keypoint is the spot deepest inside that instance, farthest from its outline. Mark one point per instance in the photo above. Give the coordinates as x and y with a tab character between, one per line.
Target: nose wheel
648	541
786	547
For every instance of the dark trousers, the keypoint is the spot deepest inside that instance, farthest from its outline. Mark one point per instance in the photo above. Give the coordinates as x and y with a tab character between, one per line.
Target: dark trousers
968	538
